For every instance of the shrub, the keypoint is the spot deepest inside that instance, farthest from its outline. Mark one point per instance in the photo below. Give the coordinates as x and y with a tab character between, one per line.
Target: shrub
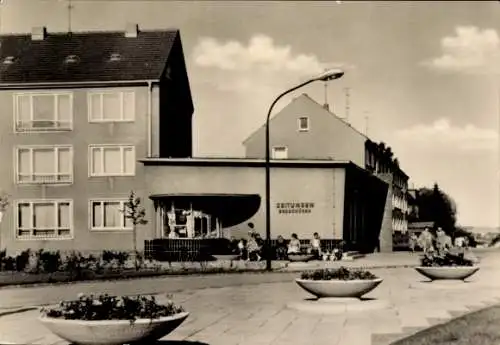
341	273
120	258
22	260
76	264
8	264
105	307
50	261
445	259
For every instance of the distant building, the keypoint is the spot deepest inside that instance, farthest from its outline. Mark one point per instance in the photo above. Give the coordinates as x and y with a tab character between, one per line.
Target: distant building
305	129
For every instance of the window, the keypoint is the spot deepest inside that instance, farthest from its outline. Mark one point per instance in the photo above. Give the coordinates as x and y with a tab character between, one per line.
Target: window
44	164
44	219
111	106
280	152
303	123
39	112
109	215
112	160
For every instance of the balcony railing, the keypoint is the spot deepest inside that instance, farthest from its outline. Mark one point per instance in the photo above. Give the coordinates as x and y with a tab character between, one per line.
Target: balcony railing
45	178
43	126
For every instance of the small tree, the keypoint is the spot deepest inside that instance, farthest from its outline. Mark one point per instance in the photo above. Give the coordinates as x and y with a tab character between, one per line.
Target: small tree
4	203
136	214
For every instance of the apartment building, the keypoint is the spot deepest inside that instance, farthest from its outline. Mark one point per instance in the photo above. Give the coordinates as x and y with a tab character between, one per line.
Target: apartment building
305	129
78	112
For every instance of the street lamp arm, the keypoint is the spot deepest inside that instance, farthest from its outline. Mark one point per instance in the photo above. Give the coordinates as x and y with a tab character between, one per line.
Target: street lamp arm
283	95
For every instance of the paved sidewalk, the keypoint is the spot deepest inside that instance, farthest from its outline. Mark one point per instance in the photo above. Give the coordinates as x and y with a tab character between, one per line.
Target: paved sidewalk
258	314
253	314
15	297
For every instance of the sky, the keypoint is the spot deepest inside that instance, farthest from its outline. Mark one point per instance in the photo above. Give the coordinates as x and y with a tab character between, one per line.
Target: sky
424	77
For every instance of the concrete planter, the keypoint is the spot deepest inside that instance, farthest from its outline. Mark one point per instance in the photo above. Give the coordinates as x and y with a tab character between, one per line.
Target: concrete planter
113	332
300	257
229	257
447	272
338	288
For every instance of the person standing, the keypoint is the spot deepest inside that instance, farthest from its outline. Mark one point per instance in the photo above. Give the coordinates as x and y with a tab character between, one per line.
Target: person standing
425	241
316	246
281	248
413	242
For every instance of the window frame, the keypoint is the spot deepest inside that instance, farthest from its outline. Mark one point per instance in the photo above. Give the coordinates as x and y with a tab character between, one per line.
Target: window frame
15	98
299	124
101	94
31	203
33	148
273	150
102	147
122	202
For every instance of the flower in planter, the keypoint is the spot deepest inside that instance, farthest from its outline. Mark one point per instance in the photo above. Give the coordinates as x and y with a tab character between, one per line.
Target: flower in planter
341	273
106	307
445	259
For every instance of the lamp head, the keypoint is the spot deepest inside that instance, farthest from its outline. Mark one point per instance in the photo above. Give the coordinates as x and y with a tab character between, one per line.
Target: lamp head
330	74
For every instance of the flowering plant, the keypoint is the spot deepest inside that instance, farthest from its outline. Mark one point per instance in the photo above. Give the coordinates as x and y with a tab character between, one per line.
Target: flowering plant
341	273
445	258
105	307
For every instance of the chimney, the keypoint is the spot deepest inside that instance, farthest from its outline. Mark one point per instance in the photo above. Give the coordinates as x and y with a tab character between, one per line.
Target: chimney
131	30
326	106
38	33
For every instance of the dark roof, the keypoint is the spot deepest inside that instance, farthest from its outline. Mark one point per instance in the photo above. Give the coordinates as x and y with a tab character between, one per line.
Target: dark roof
43	61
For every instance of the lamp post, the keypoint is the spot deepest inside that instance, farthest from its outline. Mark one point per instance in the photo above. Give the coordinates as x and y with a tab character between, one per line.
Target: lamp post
328	75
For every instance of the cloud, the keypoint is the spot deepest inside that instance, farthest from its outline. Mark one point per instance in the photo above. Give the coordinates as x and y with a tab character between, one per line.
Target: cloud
258	62
442	133
469	50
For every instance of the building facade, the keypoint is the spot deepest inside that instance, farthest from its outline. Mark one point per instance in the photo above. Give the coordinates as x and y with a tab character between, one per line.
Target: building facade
79	110
305	129
336	199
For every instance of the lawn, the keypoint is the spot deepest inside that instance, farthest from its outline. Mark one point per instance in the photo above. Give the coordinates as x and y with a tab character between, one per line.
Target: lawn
478	328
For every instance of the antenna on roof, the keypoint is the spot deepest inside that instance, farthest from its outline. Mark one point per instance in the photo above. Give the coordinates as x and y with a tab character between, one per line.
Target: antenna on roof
70	7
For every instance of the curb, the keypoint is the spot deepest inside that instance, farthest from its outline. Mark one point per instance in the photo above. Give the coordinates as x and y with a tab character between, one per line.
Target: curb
281	270
16	311
367	267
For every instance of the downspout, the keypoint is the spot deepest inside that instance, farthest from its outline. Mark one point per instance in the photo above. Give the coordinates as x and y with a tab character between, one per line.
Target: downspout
150	122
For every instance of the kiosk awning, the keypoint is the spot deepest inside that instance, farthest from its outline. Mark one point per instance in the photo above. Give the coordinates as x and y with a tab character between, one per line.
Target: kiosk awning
230	209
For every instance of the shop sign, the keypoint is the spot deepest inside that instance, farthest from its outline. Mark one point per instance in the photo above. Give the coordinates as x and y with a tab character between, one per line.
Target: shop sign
294	207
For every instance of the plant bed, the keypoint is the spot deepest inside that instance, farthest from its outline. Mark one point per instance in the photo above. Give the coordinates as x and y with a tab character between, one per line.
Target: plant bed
110	320
27	279
446	266
338	283
300	257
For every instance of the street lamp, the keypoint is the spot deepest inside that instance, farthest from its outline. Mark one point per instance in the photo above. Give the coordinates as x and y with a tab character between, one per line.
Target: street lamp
328	75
